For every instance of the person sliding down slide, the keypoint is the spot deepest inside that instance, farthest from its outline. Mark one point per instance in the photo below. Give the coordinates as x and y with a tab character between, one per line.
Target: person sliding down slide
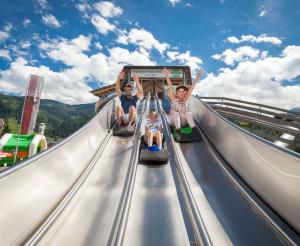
153	130
179	114
126	113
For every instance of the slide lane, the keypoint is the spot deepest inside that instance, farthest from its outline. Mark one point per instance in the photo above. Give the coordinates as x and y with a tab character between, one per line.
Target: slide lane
88	218
224	203
155	216
227	215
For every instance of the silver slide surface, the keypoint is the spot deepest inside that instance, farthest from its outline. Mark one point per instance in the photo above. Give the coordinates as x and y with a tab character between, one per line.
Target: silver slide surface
272	172
155	216
31	190
227	215
88	218
76	192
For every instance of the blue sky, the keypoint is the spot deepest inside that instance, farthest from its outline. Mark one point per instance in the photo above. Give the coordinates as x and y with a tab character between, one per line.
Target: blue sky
248	49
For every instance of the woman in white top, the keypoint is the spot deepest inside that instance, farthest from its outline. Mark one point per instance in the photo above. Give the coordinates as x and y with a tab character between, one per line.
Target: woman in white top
153	130
179	114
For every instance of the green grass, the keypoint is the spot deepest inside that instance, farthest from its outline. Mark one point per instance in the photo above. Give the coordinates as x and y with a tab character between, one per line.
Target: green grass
13	125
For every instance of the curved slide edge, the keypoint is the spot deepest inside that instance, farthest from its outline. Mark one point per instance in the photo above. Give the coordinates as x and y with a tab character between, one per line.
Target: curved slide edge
272	172
33	188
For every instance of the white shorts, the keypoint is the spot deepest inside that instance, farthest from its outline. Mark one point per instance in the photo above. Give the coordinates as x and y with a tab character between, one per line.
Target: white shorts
125	118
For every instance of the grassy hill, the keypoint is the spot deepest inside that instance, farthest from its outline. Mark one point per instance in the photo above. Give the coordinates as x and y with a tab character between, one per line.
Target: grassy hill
61	119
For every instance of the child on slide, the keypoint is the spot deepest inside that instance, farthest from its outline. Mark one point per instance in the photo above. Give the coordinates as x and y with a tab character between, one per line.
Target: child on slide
153	130
179	114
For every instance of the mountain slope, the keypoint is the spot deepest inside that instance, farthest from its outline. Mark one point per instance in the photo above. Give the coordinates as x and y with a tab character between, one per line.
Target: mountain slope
61	119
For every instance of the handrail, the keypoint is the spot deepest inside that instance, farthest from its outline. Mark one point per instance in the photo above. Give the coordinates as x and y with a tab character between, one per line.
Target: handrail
252	103
260	110
286	122
267	124
259	116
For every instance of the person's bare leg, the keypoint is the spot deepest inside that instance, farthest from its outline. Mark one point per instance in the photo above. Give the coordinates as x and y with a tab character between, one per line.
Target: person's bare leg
150	138
132	115
190	120
176	119
158	138
119	114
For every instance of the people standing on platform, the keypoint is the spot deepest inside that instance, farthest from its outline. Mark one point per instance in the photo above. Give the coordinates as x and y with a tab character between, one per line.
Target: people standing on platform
126	113
179	114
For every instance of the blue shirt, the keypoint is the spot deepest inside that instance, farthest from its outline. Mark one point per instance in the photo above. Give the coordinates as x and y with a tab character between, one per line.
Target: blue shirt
126	102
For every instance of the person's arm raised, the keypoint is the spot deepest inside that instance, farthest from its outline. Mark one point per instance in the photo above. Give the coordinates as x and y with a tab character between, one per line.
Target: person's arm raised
171	94
188	94
120	77
140	92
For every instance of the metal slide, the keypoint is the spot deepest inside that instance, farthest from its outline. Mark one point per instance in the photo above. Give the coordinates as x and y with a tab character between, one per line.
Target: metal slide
90	190
155	215
69	193
226	203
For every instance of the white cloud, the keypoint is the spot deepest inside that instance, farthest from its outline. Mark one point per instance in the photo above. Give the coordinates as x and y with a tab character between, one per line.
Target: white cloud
233	39
141	38
26	22
61	86
123	56
185	59
5	54
98	45
174	2
43	4
8	27
263	38
263	13
4	35
84	7
25	44
108	9
189	5
50	20
258	81
102	25
70	52
222	1
244	53
70	84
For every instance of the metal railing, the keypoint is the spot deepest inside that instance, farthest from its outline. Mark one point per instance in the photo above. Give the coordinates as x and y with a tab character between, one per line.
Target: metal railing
271	123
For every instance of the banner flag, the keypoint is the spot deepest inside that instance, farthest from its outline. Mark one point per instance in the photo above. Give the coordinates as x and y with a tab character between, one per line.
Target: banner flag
32	103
